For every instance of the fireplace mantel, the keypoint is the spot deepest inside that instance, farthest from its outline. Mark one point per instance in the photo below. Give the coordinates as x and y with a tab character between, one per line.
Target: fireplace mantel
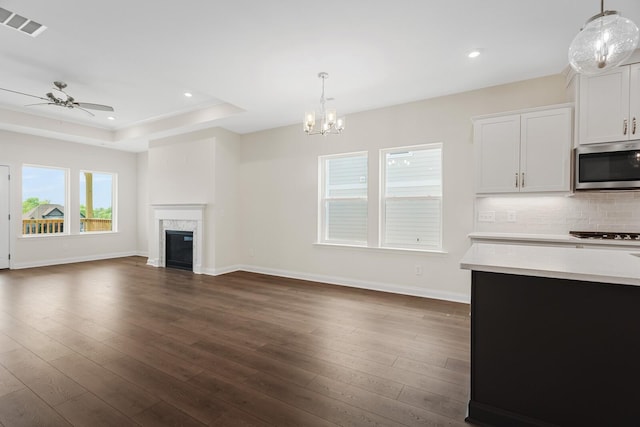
186	217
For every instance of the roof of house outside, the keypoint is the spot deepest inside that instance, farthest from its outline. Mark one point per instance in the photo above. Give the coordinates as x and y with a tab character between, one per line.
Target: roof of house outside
45	211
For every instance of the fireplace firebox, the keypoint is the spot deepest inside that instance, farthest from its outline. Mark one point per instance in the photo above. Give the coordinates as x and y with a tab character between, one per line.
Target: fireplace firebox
179	249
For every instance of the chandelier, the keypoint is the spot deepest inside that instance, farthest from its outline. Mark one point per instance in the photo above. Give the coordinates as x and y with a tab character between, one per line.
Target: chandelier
605	42
330	123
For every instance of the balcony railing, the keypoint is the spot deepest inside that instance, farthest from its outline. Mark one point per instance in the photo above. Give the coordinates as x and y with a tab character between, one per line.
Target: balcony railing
95	224
52	226
42	226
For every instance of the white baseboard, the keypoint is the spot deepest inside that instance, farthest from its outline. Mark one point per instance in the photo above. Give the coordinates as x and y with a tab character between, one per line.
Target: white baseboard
58	261
207	271
362	284
219	271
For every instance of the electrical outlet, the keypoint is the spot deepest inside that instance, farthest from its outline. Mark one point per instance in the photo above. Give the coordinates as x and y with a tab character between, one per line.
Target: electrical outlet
487	216
418	270
511	216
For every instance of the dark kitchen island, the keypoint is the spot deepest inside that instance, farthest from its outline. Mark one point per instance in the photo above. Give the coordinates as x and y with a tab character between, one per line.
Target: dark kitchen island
555	336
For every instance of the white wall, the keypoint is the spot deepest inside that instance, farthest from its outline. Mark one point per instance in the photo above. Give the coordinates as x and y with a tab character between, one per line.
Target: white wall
227	159
143	209
279	185
17	149
200	168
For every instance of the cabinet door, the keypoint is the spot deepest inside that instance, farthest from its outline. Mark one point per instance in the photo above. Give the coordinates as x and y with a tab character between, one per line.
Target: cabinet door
604	107
545	150
497	154
634	101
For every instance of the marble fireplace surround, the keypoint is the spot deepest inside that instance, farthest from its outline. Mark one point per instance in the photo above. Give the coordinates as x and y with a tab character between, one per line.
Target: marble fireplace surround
179	217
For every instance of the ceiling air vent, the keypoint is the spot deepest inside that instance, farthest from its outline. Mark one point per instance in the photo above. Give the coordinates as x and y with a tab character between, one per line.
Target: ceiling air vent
20	23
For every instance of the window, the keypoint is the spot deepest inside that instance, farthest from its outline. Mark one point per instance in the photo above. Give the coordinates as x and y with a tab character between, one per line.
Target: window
43	200
96	201
411	197
343	199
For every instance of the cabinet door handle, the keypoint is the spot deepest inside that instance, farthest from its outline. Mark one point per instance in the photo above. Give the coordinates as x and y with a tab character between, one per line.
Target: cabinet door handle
624	127
633	126
522	180
516	179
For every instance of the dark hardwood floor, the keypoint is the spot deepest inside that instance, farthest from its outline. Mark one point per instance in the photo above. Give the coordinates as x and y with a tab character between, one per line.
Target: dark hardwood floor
118	343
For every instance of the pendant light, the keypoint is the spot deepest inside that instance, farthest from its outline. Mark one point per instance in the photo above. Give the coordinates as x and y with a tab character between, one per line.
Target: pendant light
330	122
606	41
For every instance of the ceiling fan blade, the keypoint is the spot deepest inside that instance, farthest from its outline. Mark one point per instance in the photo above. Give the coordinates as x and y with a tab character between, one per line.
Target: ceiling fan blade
90	106
22	93
86	111
40	103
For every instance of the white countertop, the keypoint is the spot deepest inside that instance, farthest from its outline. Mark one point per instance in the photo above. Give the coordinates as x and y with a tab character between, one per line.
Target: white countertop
587	264
550	238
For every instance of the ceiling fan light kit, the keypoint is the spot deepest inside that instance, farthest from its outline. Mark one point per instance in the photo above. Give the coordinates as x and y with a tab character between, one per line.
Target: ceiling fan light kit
330	122
606	41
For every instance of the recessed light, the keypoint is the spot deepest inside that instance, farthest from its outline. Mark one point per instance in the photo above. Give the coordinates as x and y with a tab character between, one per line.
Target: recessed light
474	53
111	118
188	94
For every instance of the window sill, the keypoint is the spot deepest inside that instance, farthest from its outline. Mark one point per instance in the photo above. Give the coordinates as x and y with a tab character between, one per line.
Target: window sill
61	235
93	233
381	249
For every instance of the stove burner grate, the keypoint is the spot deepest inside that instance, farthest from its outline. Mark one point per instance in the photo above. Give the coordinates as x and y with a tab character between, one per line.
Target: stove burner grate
605	235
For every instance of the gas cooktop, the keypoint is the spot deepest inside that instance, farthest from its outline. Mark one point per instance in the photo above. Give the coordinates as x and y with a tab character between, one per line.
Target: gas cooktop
605	235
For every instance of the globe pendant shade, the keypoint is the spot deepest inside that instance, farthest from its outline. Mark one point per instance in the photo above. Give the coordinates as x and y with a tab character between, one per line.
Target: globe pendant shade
605	42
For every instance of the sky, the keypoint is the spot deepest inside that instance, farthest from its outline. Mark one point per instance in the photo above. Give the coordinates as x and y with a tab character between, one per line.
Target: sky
49	184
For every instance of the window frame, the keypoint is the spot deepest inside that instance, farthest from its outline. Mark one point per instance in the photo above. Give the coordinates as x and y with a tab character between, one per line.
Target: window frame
114	210
66	223
383	197
322	199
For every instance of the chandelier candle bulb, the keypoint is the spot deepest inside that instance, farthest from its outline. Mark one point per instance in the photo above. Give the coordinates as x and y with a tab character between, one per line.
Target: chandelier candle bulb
309	121
331	116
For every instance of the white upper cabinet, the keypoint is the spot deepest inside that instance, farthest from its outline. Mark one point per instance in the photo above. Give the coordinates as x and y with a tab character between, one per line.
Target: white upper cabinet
497	154
545	150
609	106
527	152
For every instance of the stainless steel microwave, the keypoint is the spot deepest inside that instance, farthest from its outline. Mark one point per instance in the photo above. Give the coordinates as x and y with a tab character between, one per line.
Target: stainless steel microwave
612	165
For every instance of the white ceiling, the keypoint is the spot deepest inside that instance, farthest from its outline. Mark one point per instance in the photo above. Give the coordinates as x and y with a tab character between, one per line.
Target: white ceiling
253	64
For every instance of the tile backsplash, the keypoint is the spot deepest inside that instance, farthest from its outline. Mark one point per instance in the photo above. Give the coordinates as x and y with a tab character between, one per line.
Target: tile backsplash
585	211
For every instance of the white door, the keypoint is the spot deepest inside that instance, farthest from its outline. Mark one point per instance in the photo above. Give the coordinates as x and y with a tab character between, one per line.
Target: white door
497	154
604	107
4	217
545	151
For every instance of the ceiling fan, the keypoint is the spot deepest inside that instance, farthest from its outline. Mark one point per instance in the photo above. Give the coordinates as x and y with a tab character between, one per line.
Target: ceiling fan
65	100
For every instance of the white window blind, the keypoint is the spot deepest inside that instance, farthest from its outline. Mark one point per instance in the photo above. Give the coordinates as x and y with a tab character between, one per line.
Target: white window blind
411	200
343	193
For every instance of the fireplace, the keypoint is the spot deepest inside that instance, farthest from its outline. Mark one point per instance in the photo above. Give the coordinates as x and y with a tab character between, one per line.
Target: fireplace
179	249
177	218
